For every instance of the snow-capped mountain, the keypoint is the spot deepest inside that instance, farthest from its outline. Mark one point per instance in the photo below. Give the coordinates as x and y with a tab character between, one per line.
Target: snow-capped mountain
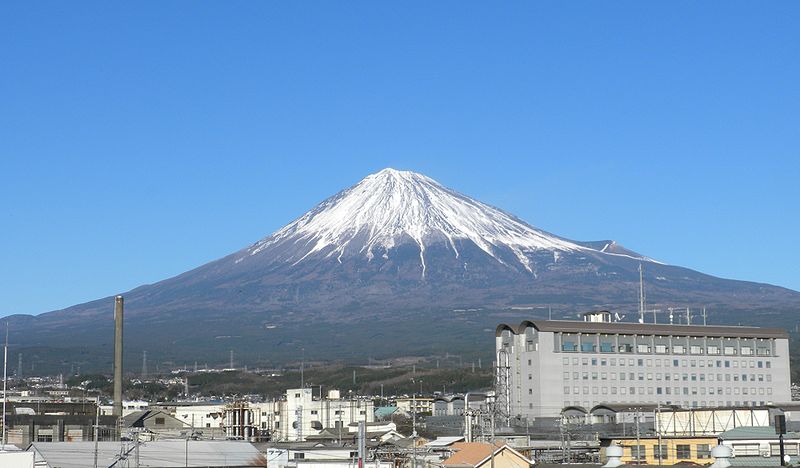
392	208
397	263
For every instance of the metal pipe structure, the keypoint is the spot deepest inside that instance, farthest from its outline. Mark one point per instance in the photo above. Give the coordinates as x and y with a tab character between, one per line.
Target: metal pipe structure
118	315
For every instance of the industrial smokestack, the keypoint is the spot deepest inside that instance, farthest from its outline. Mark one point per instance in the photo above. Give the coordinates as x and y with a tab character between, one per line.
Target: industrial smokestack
118	306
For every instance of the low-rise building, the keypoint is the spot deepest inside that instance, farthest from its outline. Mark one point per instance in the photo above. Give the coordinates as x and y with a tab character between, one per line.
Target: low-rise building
653	450
153	425
481	455
56	422
417	405
301	415
759	445
452	405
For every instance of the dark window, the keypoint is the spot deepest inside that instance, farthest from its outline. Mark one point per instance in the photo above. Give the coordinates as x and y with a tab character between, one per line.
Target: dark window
660	452
159	421
683	452
638	452
299	456
703	451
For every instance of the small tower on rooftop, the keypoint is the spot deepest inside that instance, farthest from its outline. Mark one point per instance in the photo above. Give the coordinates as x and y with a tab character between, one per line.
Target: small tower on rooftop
597	316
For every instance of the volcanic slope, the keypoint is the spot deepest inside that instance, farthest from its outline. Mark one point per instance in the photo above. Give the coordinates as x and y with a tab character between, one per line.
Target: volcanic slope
398	261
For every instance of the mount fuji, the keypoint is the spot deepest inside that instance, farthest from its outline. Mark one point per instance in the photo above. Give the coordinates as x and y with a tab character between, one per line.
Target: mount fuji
397	264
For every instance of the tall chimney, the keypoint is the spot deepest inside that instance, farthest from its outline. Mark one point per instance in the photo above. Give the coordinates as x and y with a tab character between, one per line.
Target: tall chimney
118	305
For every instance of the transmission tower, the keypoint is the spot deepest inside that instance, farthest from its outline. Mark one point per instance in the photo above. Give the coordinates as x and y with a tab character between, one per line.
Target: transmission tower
502	389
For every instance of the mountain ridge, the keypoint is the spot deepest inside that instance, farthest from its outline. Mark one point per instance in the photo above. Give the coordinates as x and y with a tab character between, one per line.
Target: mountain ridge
395	247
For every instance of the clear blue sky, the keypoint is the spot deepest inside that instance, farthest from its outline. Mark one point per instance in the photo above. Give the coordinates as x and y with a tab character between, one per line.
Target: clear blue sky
139	140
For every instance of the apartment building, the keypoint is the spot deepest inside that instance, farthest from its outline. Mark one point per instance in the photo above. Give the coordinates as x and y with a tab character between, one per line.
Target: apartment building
547	365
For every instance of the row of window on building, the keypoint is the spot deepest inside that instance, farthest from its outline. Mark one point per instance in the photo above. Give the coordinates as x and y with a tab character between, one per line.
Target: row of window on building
684	404
686	377
665	391
572	345
630	362
663	452
703	451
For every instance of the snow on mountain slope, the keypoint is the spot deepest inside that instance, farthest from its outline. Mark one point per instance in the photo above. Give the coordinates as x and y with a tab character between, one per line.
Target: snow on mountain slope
392	207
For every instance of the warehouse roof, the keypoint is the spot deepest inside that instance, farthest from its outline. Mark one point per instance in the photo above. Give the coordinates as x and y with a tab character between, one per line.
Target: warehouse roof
162	454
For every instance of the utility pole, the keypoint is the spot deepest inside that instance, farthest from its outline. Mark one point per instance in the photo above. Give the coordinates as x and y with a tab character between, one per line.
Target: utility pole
491	441
658	432
96	433
136	453
362	447
5	380
413	428
144	364
641	294
638	436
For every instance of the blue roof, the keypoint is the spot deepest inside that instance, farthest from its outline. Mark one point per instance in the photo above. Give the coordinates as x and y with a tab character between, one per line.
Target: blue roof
384	411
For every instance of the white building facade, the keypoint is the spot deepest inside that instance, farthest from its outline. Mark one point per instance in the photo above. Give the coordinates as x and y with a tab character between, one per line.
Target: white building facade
301	415
545	366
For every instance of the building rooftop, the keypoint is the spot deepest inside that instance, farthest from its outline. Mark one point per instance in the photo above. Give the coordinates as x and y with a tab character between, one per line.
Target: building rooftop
755	433
444	441
165	454
575	326
384	411
470	453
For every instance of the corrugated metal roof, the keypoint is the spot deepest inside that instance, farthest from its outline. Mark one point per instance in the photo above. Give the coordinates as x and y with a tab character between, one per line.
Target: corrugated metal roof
444	441
160	454
755	432
575	326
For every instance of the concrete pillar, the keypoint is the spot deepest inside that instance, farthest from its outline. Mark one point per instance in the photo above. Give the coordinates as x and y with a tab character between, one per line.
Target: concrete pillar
118	315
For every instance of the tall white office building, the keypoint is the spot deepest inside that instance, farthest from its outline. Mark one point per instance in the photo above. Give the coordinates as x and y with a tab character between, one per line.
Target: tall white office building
548	365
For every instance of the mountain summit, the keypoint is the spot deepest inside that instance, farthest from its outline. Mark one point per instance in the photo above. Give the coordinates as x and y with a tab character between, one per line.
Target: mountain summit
398	264
392	208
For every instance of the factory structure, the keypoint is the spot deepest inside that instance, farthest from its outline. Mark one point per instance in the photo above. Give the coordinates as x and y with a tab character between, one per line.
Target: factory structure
545	367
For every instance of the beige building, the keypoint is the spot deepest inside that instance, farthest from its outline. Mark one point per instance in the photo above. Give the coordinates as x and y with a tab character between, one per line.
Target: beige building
663	451
417	405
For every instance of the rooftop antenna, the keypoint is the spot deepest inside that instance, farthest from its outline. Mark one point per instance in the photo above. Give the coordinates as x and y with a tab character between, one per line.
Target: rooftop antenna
704	316
688	316
641	293
144	364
